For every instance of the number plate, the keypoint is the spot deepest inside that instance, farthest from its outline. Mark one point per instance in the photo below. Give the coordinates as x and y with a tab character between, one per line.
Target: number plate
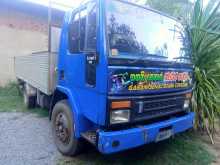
164	135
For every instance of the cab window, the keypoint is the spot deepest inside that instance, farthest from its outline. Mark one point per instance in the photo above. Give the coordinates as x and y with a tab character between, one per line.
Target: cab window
82	30
91	27
73	35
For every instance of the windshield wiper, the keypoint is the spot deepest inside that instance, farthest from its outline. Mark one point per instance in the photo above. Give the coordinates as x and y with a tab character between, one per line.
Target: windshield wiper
182	58
146	56
177	58
156	55
189	60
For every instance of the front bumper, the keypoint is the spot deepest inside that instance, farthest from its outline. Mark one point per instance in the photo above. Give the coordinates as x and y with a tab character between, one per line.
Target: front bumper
110	142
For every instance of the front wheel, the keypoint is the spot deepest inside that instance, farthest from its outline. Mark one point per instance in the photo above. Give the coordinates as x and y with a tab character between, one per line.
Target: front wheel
63	129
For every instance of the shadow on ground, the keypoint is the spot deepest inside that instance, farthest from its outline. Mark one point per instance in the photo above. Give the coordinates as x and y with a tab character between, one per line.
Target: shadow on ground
184	149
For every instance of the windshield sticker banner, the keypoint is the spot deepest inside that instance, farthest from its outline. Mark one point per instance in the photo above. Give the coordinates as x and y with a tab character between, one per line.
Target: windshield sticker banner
148	80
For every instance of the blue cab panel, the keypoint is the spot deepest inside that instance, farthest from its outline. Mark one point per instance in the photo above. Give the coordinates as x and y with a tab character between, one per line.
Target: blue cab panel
135	137
90	101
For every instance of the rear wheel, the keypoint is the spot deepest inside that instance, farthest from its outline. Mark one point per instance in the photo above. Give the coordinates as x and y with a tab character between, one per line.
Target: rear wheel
63	130
29	101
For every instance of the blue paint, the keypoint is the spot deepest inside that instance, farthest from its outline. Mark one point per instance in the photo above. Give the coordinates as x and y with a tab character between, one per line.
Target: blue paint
90	104
91	101
139	136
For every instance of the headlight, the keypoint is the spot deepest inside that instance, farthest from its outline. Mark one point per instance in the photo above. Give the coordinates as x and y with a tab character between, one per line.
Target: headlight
119	116
186	104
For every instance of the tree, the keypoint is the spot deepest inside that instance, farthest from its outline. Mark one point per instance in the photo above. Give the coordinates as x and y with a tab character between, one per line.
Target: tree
176	8
204	30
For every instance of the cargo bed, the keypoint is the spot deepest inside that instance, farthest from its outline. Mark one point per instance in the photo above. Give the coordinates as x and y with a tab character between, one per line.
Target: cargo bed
37	70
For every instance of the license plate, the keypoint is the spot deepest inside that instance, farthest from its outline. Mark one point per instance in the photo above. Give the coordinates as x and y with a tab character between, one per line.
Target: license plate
164	135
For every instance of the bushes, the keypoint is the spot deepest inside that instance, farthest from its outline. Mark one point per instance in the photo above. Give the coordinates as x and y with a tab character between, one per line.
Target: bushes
204	31
10	99
10	89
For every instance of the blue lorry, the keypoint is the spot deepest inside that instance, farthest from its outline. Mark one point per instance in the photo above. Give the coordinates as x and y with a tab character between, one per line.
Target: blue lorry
121	78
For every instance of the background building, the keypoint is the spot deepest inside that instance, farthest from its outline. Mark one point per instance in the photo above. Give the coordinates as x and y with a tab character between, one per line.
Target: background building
23	30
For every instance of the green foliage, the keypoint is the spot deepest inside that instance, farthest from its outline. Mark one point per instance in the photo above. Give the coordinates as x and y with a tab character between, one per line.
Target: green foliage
11	100
204	31
176	8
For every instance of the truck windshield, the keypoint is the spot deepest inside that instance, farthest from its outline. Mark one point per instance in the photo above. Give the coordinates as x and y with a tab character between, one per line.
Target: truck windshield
136	32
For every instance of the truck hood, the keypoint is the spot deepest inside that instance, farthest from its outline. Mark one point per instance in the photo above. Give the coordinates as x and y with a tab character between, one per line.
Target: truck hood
144	80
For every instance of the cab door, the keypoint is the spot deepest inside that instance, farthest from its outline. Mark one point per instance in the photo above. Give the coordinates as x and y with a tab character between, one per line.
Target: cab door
82	62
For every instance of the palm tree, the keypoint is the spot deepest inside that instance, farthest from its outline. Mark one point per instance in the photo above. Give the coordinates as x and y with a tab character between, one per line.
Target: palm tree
203	28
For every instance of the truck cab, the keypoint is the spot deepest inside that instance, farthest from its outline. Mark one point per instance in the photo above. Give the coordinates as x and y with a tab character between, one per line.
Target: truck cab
124	78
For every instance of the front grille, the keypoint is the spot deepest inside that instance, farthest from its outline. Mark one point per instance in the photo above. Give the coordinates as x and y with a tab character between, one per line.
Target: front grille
160	106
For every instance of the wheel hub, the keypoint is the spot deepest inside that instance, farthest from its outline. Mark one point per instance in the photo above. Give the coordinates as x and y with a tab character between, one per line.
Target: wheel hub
62	129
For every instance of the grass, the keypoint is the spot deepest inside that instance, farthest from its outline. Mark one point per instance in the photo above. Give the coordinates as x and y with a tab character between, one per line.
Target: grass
11	100
184	149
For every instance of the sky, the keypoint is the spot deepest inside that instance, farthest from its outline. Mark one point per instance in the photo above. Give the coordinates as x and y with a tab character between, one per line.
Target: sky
59	4
67	4
205	2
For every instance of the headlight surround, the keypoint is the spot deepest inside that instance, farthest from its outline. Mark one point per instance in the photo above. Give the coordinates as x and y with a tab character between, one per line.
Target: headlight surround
119	116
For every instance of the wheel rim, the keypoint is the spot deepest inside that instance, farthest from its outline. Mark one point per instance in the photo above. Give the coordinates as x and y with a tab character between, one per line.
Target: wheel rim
62	128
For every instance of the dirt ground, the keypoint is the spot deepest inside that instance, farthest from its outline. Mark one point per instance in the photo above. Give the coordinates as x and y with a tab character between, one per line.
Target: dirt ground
26	139
23	138
215	149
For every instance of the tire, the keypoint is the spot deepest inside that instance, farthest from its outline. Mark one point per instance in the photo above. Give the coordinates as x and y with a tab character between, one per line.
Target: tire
29	101
63	130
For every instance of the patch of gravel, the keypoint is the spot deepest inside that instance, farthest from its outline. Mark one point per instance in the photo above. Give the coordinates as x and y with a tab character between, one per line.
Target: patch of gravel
26	139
